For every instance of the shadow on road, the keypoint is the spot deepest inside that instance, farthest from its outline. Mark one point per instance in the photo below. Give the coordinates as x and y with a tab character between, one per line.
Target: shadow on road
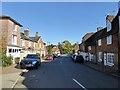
33	77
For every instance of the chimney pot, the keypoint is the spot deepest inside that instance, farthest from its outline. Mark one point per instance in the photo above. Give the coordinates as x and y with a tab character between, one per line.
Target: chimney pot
99	28
26	32
36	34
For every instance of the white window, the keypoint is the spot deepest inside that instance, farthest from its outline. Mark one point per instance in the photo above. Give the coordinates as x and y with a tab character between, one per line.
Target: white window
40	45
110	59
29	44
89	47
34	44
14	39
14	27
23	42
108	26
99	42
109	39
100	57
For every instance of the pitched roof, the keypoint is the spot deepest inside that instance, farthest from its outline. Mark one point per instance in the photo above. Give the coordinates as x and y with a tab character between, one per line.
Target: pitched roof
8	17
115	24
35	39
96	36
103	33
25	37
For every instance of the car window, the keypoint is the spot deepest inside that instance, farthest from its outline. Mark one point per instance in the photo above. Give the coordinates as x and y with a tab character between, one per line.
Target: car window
32	56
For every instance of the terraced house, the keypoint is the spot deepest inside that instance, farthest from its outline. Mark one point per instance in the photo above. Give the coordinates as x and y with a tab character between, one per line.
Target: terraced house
102	46
13	41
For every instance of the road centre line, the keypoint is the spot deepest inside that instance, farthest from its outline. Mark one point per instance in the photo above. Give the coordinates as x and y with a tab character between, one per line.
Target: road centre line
79	84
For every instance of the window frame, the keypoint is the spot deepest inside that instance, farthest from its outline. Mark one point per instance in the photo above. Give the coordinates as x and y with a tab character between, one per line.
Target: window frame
109	39
110	59
109	26
99	42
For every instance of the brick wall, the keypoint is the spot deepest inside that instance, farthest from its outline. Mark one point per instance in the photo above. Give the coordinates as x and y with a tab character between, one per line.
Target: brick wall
112	48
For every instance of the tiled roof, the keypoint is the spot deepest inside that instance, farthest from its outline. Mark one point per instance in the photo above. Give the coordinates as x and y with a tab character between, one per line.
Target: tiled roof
35	39
25	37
103	33
115	24
8	17
96	36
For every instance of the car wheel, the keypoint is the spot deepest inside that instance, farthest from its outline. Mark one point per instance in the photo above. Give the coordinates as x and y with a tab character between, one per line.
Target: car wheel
21	67
36	67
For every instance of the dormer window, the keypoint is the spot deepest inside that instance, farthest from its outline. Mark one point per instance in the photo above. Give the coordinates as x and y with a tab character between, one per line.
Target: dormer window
108	26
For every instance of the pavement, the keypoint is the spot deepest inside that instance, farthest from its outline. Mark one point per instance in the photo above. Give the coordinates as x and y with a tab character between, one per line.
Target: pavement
9	75
105	69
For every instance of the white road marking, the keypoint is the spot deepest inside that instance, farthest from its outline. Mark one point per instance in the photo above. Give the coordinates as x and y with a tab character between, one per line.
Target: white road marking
79	84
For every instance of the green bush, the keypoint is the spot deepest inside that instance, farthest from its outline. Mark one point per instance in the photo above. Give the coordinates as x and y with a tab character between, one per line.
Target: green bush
6	61
43	56
38	54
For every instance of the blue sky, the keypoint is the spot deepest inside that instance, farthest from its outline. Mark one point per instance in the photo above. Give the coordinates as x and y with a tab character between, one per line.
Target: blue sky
57	22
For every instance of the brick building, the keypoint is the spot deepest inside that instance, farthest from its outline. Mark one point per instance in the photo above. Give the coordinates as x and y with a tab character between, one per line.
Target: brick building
102	46
107	45
13	41
10	36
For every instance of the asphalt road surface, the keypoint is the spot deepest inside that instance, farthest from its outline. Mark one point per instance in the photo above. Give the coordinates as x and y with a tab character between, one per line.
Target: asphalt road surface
64	73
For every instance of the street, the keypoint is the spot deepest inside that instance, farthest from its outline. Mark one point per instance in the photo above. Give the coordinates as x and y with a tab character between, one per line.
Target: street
64	73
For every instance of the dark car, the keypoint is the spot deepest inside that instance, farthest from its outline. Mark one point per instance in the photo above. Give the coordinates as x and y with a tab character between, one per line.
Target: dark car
30	61
49	57
79	58
55	55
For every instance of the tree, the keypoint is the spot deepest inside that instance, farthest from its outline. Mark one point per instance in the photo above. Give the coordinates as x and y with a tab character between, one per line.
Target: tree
49	49
61	47
65	47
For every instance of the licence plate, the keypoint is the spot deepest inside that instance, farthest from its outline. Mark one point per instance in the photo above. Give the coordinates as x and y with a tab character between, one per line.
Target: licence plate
28	65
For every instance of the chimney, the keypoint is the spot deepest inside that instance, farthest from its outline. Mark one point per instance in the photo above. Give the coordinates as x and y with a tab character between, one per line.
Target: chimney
26	32
109	18
99	28
36	34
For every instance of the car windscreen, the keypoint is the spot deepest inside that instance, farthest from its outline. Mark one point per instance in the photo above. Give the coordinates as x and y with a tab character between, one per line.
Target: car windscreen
50	55
32	56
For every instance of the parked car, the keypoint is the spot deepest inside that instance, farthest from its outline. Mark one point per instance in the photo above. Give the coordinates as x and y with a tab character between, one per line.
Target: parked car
59	54
74	56
78	58
55	55
30	61
49	57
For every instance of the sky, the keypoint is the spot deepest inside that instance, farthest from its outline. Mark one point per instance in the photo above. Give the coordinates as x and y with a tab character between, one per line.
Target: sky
59	21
